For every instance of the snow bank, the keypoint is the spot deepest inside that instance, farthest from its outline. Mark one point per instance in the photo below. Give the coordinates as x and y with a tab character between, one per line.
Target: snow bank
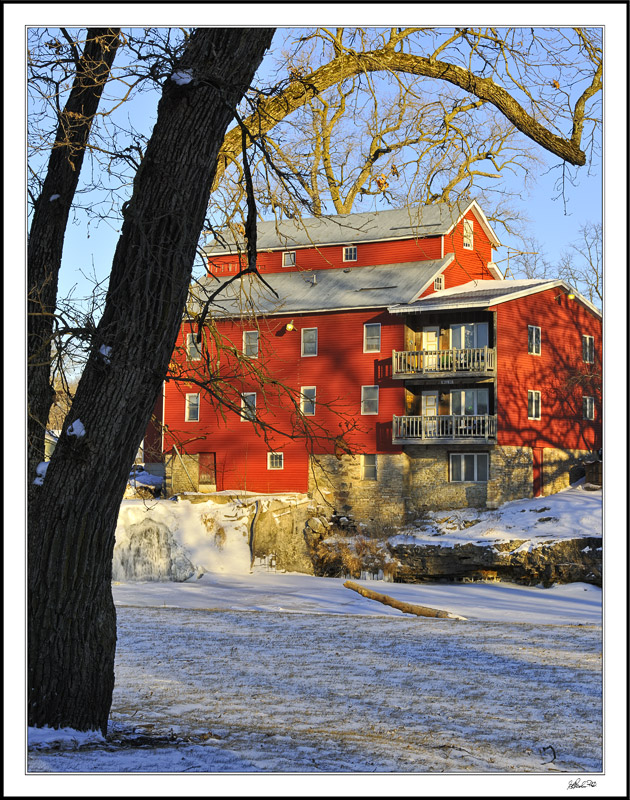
569	514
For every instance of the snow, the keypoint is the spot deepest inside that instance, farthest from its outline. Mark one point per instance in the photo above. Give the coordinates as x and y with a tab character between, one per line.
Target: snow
42	467
568	514
285	673
105	351
66	737
142	478
76	429
239	671
182	77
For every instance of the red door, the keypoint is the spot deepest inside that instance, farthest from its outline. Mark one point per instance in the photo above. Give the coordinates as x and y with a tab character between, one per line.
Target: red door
207	468
538	462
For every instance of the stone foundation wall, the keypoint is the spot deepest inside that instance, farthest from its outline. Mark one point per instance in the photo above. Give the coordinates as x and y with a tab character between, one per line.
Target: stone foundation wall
562	468
182	474
511	475
427	486
338	486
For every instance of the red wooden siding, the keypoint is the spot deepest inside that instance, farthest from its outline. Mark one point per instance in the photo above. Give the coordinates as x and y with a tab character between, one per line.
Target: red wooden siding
553	372
338	371
468	265
331	257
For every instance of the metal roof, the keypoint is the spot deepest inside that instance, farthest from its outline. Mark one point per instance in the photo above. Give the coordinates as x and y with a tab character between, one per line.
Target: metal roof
318	290
348	229
483	294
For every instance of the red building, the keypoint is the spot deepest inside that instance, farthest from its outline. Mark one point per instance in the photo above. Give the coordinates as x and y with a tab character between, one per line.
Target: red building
389	365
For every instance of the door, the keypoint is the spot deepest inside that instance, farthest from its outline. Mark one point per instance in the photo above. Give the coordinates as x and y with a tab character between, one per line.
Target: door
430	344
207	471
537	467
430	420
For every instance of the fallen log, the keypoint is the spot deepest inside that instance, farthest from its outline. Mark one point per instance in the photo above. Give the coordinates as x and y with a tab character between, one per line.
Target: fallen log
406	608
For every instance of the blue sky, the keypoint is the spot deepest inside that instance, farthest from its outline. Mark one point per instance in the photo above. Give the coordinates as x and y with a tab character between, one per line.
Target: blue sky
555	219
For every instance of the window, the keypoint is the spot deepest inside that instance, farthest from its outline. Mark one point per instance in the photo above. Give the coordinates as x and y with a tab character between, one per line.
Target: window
309	341
350	253
588	407
248	407
275	460
192	408
193	352
588	349
468	234
369	399
533	404
469	467
369	467
469	402
372	337
469	335
533	340
307	402
250	343
288	258
438	283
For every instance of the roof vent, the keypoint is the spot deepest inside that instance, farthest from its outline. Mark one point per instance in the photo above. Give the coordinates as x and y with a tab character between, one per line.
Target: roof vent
314	280
347	269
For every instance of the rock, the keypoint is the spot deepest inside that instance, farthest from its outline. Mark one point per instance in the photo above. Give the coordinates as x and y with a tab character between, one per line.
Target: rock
565	561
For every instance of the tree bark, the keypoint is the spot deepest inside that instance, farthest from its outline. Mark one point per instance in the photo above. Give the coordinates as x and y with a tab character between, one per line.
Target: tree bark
72	622
49	222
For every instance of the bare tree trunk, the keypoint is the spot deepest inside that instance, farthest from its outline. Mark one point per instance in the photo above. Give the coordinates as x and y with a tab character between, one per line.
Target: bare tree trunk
49	223
72	623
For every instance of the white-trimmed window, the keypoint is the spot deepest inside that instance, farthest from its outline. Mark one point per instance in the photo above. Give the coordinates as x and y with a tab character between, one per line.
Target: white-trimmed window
369	399
588	407
468	234
369	467
588	349
468	467
309	341
533	404
307	400
288	258
193	350
468	335
533	340
192	408
372	337
250	344
350	253
248	406
438	283
275	460
469	402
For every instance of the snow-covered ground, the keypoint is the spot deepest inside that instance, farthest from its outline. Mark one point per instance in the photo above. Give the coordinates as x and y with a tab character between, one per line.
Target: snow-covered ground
234	673
566	515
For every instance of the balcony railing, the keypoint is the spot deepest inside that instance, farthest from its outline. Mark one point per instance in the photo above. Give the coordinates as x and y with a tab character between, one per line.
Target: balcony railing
444	428
470	360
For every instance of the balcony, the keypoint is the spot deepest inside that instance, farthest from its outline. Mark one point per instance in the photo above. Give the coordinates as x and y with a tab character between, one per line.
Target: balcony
468	362
442	429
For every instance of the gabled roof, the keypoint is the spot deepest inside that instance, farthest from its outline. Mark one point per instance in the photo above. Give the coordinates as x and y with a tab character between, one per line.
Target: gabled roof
320	290
484	294
348	229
